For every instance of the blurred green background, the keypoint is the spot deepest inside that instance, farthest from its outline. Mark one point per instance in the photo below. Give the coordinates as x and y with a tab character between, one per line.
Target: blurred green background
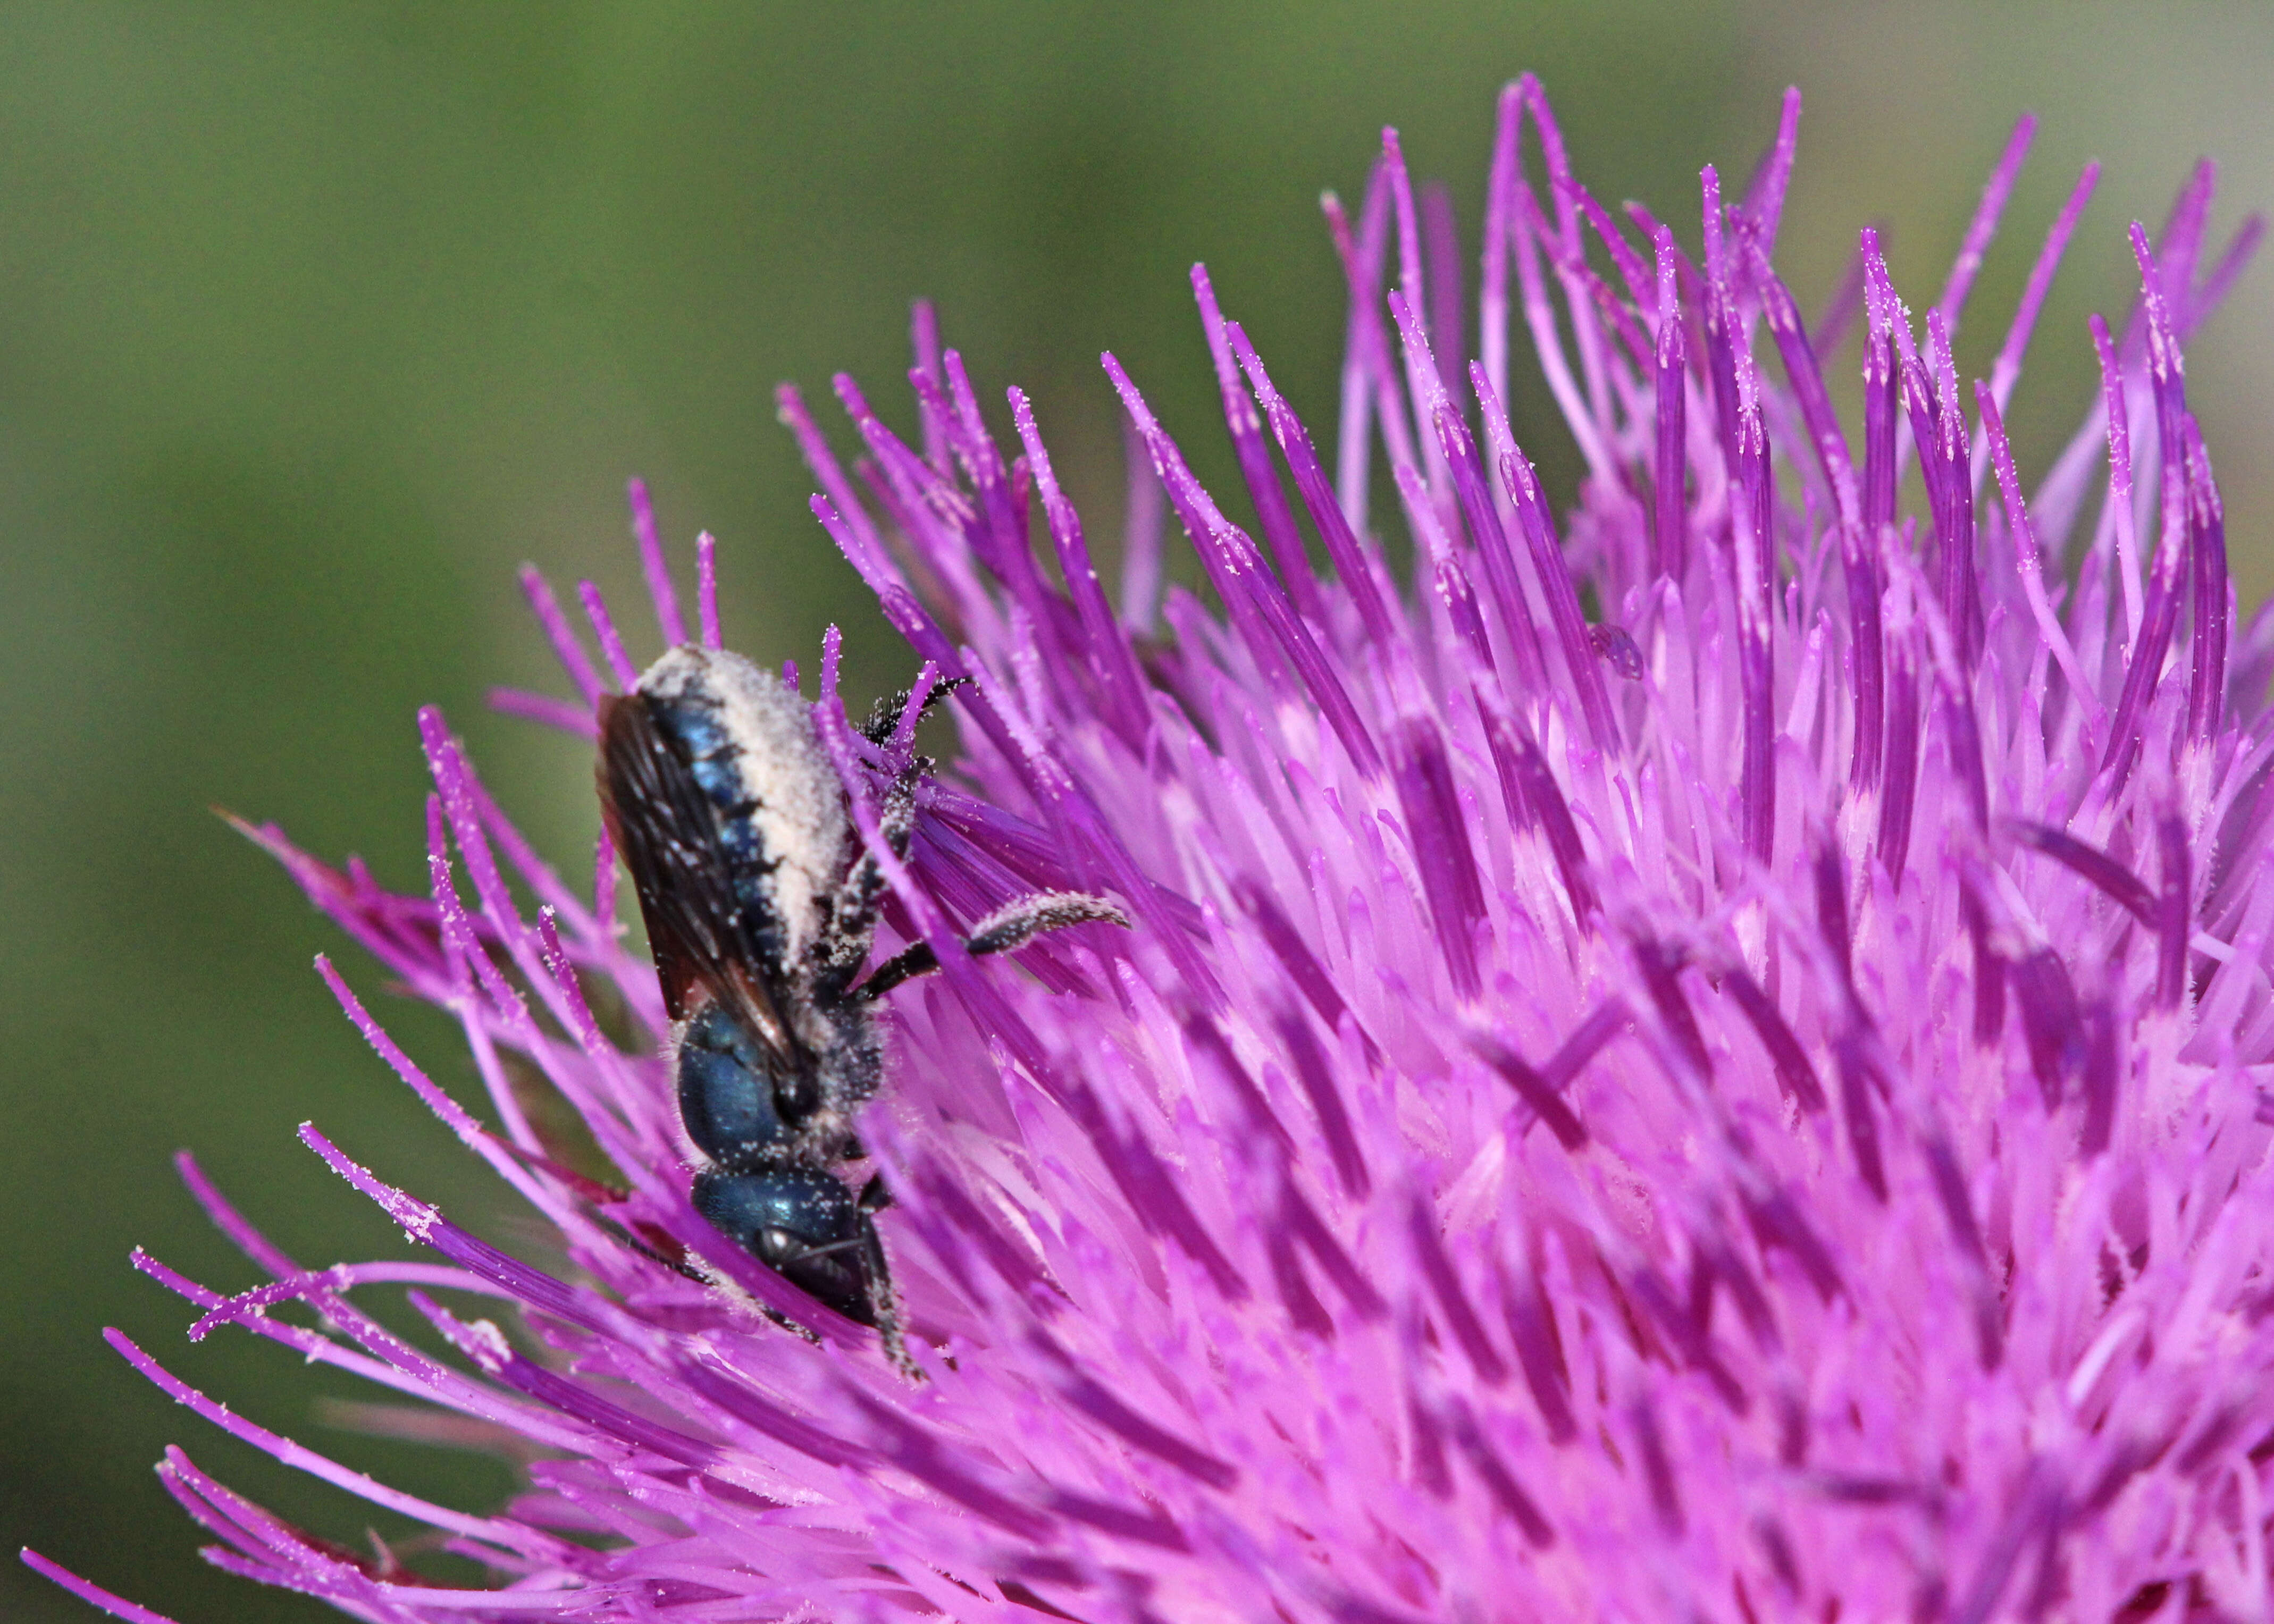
315	320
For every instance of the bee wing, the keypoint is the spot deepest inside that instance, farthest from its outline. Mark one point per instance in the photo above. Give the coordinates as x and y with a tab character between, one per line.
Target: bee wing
664	826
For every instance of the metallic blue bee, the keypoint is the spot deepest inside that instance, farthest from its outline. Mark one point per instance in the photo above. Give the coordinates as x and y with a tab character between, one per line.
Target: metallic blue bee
761	909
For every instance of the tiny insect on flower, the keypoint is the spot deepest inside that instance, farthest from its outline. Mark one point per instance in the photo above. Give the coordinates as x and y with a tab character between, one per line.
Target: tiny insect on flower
1706	1056
761	916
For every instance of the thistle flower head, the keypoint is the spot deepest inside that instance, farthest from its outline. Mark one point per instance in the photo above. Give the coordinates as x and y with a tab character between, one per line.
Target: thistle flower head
1699	1055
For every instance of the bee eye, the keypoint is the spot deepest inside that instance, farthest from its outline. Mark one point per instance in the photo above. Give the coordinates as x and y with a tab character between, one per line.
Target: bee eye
802	1224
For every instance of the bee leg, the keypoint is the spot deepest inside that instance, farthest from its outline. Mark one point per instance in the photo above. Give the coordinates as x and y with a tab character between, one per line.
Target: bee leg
852	930
885	718
896	819
1021	922
1003	931
883	1300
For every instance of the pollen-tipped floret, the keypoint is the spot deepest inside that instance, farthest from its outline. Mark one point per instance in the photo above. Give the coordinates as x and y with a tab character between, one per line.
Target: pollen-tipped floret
1700	1057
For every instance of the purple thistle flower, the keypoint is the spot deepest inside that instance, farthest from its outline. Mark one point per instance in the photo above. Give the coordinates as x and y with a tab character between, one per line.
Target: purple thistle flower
1704	1057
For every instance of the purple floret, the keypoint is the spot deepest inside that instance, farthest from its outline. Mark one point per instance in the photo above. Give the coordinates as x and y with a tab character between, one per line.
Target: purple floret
1711	1055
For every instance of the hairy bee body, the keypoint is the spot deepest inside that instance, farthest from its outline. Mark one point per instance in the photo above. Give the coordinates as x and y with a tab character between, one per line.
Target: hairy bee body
761	910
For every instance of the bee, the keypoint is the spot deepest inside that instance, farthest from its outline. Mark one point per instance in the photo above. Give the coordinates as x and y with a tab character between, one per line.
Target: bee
760	908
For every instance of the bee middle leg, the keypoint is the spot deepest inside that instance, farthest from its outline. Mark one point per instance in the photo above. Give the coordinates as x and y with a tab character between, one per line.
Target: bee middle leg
1005	930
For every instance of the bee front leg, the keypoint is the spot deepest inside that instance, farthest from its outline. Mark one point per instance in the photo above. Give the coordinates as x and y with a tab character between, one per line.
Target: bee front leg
883	1300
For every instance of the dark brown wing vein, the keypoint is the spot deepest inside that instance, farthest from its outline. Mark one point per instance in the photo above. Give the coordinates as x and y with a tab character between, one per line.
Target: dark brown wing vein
668	835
